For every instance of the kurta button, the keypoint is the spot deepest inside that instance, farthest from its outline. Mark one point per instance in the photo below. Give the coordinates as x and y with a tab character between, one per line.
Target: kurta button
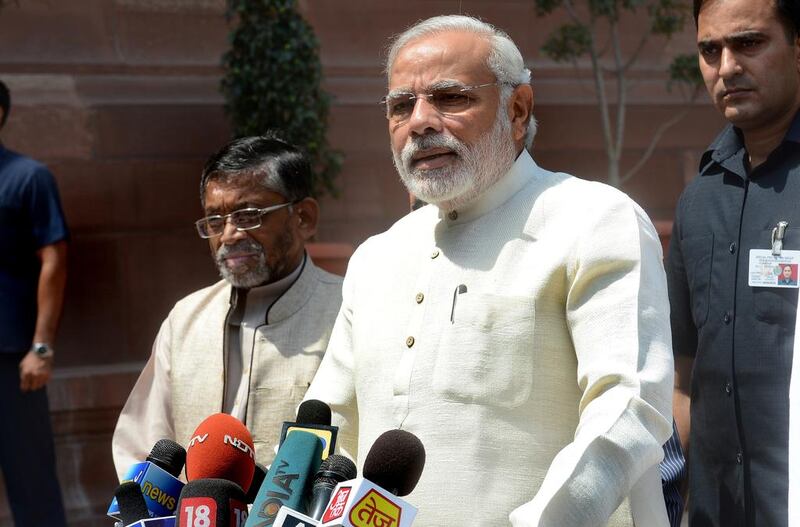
732	247
728	388
453	215
726	318
739	458
435	253
419	298
410	341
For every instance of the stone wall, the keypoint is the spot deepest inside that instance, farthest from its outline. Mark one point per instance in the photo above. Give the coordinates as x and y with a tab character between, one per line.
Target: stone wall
120	98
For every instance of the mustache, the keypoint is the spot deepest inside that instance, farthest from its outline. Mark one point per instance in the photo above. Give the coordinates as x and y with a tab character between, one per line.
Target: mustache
426	142
242	246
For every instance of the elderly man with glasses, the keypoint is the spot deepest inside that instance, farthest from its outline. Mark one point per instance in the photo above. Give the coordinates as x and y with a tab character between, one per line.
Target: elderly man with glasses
250	344
518	325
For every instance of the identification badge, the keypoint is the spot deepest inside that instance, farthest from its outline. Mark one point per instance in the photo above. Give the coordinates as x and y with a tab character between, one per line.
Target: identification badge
769	270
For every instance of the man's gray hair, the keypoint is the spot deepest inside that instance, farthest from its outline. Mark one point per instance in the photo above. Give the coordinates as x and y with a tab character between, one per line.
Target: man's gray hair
504	61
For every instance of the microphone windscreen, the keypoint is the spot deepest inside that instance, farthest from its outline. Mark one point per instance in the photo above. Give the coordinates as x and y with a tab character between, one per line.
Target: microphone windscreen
258	478
221	447
395	462
336	468
313	412
132	506
169	455
211	503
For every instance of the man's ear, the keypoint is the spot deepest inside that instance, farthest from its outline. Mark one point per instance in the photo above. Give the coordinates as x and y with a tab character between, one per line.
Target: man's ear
306	213
521	112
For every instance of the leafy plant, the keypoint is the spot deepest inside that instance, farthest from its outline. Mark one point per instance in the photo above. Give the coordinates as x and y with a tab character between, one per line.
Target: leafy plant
594	29
272	81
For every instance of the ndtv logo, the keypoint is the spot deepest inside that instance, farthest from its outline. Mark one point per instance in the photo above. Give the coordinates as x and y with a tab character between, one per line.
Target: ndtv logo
239	444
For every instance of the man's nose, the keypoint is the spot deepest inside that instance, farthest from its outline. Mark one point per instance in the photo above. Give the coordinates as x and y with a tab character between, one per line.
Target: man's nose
729	66
425	118
230	234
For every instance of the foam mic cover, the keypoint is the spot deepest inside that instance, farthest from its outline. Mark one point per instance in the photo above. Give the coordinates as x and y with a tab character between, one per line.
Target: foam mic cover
333	470
221	447
395	462
211	502
168	455
288	478
313	412
132	507
258	478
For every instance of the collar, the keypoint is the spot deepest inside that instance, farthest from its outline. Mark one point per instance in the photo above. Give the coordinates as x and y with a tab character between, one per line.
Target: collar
291	292
517	177
728	149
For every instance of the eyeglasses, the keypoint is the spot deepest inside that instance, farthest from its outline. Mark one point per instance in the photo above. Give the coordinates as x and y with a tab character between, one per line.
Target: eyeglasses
242	219
447	100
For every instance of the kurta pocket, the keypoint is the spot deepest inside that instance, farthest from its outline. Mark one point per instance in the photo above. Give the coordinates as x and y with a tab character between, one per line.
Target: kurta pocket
485	355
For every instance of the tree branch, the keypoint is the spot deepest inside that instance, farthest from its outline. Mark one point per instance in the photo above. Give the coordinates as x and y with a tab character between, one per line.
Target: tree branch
635	55
622	89
659	133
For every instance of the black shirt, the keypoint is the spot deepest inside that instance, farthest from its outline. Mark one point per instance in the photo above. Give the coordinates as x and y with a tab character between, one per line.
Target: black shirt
741	337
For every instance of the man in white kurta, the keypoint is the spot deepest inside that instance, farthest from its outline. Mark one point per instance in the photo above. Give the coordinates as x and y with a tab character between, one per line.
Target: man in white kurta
520	329
250	344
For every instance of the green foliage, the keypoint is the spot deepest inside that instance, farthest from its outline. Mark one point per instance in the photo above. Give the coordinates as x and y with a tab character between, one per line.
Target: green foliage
568	42
684	70
272	81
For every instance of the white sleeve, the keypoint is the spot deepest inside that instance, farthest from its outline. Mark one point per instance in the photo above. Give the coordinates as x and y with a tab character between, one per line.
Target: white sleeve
334	382
618	314
147	414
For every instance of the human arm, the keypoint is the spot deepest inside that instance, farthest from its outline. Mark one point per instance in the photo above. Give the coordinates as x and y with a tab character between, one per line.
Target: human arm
147	414
616	310
35	370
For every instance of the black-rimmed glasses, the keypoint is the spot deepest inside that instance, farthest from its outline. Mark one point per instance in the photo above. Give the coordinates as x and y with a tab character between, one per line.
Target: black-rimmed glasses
447	100
242	219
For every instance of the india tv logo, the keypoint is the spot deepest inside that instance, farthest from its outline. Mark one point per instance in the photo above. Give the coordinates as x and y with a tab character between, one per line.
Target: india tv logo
375	510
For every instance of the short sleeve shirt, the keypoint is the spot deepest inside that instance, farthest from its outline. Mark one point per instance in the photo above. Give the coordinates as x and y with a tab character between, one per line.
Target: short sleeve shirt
740	337
30	218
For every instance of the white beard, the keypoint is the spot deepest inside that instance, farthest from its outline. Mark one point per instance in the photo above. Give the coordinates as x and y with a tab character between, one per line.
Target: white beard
476	168
250	278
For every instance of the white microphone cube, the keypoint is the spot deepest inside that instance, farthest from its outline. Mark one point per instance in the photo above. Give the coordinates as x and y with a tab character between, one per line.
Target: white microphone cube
361	503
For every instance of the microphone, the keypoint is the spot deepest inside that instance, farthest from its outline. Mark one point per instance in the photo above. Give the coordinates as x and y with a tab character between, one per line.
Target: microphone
396	460
289	518
288	478
158	478
132	507
333	470
222	448
258	478
211	502
315	417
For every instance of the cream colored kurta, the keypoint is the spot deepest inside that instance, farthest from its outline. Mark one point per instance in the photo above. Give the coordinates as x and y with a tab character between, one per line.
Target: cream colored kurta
525	340
185	378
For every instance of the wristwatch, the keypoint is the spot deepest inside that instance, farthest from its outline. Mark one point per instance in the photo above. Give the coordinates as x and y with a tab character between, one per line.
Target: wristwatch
42	349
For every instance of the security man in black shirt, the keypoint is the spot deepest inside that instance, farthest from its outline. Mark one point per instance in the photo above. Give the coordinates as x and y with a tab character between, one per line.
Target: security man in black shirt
736	227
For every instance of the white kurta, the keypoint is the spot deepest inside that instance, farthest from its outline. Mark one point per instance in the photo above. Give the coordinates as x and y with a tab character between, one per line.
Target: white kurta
525	340
187	376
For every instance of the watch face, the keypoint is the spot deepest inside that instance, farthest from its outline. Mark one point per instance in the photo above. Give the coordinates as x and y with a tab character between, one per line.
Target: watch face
41	349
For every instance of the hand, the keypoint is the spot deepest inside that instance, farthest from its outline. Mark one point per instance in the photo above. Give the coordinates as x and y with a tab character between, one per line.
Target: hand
34	371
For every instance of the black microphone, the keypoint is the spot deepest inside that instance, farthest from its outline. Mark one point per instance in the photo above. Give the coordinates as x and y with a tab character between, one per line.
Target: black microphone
258	479
332	471
392	468
158	478
168	455
313	416
211	502
132	507
395	462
